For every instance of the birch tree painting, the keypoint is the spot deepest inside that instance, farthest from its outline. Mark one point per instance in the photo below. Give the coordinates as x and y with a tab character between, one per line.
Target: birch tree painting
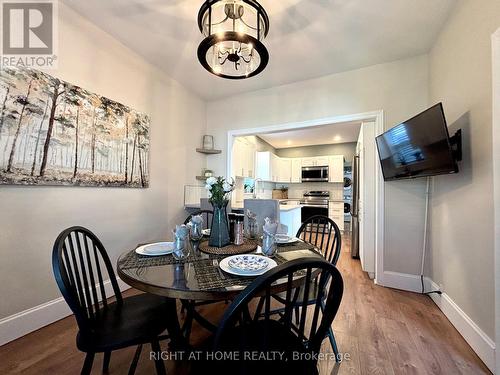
56	133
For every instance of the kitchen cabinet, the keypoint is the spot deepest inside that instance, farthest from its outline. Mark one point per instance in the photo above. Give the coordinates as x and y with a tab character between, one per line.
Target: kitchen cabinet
243	158
285	170
336	168
336	213
296	170
272	168
319	161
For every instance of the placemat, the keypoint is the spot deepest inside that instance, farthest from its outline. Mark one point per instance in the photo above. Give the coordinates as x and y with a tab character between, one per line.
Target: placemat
134	260
209	276
248	246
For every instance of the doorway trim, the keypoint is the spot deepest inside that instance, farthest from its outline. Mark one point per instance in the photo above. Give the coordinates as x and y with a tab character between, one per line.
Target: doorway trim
495	45
375	116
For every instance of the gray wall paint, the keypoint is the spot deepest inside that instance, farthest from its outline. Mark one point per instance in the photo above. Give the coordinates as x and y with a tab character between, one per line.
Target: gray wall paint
461	242
32	217
346	149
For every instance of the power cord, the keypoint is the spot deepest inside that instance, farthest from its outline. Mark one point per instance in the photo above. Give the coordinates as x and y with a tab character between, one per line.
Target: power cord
423	289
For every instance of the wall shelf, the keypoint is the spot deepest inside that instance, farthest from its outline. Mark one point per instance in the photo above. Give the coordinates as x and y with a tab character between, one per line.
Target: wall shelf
207	151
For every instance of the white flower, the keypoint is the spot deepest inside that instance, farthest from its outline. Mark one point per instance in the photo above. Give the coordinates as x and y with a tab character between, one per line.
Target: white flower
227	187
208	187
209	195
211	180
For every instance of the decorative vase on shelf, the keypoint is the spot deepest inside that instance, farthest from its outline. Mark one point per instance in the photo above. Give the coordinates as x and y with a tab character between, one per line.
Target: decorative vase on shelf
219	231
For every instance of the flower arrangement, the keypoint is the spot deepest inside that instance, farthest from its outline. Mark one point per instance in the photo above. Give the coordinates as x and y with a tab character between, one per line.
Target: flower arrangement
219	190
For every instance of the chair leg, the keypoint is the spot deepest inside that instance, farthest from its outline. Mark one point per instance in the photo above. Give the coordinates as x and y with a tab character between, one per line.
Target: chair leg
105	363
135	360
87	365
333	343
160	366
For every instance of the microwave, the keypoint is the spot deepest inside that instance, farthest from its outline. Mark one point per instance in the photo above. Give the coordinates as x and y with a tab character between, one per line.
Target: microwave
315	174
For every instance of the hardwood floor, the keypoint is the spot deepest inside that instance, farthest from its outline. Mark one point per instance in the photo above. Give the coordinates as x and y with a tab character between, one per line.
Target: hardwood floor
384	331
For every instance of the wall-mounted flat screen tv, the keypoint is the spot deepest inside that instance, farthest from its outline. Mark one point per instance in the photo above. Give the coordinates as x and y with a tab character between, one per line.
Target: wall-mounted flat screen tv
418	147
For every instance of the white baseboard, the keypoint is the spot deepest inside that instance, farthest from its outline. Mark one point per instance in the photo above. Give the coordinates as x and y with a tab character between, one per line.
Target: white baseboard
20	324
401	281
479	341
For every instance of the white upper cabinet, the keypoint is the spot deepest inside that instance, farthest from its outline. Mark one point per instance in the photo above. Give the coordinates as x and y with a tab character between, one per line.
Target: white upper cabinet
243	158
318	161
336	168
296	170
270	167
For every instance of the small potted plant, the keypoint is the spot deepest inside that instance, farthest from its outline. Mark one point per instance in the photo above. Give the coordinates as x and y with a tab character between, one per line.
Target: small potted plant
219	193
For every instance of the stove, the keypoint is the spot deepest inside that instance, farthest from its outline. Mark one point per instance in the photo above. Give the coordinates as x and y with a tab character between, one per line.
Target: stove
314	203
315	198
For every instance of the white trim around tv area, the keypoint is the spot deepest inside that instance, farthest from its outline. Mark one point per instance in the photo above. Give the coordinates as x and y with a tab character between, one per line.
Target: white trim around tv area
14	326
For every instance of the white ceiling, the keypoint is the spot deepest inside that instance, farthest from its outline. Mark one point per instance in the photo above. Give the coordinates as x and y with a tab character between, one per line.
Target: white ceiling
307	38
318	135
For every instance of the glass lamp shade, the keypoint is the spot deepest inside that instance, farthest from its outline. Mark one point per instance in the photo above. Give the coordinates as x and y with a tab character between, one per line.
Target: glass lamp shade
233	31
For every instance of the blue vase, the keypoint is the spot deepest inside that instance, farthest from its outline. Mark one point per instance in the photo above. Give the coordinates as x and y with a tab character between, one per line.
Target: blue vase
219	231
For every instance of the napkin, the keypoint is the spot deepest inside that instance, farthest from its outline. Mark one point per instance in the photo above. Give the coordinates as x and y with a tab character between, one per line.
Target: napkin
181	231
251	215
197	219
270	227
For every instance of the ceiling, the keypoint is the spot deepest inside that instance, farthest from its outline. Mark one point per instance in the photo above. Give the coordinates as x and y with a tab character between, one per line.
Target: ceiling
319	135
307	38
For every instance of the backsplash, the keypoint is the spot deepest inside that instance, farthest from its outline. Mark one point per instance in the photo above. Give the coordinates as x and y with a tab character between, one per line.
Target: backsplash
297	190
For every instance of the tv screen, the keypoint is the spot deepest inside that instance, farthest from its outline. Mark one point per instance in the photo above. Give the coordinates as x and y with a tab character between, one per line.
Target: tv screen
418	147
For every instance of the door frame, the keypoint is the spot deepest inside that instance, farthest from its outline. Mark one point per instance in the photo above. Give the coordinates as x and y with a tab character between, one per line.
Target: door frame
495	44
375	116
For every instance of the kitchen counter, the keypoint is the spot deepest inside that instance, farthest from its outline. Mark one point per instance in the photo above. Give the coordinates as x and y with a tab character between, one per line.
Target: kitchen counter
289	207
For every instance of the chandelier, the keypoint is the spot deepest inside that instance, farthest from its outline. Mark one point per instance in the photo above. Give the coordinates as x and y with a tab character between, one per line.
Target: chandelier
233	31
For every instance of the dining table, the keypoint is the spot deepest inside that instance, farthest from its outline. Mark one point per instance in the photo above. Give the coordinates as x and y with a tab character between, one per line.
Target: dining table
198	277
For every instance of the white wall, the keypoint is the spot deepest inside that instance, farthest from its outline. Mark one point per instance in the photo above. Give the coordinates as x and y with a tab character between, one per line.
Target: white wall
32	217
399	88
461	243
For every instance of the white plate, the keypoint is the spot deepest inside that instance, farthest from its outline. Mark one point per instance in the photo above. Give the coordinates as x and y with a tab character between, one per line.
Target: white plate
248	263
223	264
288	240
205	232
156	249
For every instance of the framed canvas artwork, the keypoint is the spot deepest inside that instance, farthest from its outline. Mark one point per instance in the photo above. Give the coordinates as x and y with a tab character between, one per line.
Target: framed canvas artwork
56	133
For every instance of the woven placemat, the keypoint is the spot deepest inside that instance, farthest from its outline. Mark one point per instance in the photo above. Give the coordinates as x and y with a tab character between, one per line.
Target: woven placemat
248	246
210	277
134	260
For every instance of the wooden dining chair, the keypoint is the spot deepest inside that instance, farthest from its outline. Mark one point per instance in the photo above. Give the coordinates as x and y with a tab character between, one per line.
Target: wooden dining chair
324	234
245	328
81	264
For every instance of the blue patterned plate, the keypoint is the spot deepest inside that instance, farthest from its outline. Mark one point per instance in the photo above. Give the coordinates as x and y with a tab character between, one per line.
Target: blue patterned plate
248	263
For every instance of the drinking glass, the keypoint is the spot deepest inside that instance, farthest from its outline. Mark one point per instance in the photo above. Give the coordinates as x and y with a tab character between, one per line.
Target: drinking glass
268	245
195	231
181	248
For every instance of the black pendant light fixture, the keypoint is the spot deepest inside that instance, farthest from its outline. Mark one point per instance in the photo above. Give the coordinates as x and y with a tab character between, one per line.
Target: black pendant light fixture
233	31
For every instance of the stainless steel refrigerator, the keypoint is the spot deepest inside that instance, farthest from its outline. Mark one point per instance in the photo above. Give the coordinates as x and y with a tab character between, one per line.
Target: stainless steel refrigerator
355	208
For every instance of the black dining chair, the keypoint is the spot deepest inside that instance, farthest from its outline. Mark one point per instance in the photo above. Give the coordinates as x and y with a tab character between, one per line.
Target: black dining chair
324	234
81	264
246	329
